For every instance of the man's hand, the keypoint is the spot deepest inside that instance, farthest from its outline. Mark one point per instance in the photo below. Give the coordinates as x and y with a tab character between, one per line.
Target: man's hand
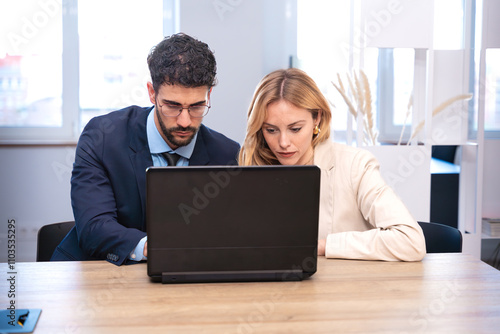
145	249
321	247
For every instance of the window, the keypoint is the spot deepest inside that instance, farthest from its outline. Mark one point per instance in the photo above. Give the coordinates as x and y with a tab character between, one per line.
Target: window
395	104
31	68
113	52
63	62
323	48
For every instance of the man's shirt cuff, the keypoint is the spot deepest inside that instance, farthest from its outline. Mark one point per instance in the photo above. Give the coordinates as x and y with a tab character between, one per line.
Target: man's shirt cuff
138	253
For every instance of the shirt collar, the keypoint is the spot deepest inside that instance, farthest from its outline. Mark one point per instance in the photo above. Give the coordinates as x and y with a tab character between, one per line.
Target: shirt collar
158	145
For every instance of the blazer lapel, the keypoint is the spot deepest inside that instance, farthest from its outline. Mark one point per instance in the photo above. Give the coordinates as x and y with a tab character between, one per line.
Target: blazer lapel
324	155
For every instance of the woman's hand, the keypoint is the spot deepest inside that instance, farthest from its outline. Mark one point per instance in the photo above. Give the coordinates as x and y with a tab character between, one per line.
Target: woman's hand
321	247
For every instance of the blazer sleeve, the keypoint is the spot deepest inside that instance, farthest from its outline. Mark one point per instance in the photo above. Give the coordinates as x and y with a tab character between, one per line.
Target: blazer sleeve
100	235
395	235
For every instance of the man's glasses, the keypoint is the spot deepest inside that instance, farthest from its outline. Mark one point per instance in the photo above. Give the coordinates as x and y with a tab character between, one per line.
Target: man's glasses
171	110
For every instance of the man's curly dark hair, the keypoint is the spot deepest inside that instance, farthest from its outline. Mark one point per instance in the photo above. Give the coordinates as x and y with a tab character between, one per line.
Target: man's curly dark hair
182	60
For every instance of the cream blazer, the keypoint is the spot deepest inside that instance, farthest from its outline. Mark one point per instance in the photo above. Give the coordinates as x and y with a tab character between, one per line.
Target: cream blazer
361	217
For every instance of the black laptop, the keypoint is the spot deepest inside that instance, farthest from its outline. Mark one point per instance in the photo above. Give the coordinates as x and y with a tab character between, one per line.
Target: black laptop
231	224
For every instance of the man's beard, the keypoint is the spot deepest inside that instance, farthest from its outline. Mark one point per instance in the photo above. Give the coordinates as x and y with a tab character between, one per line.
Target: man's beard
168	133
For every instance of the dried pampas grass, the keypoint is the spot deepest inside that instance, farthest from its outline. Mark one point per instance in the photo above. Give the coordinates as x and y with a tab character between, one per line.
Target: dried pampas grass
346	98
439	109
409	108
368	112
359	98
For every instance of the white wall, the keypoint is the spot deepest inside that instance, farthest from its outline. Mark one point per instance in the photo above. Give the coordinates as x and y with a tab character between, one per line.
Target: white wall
491	184
35	191
249	39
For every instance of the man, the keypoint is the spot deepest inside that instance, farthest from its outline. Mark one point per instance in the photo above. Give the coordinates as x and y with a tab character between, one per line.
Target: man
108	184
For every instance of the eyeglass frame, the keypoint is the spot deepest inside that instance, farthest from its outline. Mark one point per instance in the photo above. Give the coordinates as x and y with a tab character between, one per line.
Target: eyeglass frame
181	109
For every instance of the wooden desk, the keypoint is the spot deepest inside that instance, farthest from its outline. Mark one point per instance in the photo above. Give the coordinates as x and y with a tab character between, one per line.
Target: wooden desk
453	293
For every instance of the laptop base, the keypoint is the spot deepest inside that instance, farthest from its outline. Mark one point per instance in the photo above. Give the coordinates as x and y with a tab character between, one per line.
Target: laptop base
232	276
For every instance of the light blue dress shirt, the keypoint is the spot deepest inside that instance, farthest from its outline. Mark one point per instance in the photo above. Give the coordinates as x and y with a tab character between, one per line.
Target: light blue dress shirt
157	145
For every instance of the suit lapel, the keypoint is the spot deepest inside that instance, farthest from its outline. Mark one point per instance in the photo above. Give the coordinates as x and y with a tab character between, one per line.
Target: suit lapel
200	155
140	156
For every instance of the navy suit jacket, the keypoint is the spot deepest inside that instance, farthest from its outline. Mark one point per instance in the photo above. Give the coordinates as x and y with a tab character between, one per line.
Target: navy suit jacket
108	184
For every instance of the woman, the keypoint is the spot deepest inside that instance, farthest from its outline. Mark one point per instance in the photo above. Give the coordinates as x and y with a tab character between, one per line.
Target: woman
360	215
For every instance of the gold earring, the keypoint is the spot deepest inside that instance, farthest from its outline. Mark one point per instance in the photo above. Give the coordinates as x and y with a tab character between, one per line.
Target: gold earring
316	130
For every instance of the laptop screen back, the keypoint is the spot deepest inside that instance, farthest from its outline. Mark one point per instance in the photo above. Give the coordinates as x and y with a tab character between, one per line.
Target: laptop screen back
232	223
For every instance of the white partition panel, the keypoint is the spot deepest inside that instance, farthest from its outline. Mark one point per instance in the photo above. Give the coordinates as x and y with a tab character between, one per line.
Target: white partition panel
407	170
397	23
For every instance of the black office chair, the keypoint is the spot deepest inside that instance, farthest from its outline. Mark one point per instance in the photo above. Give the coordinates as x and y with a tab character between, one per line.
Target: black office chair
441	238
49	236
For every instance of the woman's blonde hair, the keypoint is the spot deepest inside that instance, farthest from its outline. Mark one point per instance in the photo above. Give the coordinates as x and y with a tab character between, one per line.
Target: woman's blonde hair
294	86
